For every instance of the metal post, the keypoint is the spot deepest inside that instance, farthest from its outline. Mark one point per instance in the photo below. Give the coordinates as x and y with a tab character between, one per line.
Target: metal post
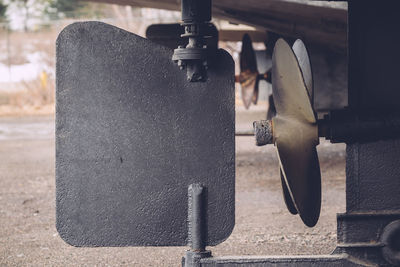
197	230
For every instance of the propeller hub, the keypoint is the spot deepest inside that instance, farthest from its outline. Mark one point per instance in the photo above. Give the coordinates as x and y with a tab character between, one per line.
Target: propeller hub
263	132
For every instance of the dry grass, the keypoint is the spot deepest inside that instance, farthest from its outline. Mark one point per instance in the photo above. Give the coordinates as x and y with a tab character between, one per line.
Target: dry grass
32	97
39	92
15	111
16	45
25	102
35	96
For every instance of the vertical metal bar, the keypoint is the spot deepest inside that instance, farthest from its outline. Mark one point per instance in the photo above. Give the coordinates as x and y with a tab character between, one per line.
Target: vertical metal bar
197	227
196	218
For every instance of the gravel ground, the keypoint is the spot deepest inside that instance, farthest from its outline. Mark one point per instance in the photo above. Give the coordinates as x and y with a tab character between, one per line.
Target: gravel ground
263	225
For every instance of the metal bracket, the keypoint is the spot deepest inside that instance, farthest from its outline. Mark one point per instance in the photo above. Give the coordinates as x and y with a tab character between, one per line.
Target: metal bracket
196	15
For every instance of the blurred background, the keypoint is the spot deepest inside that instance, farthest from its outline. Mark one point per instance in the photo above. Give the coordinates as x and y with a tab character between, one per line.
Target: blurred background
28	31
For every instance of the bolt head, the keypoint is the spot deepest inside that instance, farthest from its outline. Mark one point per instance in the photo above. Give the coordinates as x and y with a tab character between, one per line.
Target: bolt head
181	64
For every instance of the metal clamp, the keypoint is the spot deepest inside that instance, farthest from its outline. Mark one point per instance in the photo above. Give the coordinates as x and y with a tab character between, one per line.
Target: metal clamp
196	15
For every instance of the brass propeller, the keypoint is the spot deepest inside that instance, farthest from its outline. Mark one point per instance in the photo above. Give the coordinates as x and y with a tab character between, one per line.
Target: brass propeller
294	130
301	54
249	76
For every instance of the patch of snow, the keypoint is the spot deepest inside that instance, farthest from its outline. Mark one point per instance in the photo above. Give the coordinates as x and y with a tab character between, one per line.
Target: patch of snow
25	72
14	130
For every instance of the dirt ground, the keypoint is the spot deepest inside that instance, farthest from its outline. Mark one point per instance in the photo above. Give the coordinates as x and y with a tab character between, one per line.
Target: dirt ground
263	225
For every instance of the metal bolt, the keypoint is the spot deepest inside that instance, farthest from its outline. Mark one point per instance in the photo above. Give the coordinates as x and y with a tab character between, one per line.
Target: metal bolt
181	64
263	132
391	241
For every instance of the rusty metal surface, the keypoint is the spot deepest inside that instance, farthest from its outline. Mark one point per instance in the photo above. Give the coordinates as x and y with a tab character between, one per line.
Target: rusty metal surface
263	132
132	134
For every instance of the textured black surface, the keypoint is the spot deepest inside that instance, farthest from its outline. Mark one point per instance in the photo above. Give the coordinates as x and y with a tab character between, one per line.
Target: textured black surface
373	172
132	134
372	199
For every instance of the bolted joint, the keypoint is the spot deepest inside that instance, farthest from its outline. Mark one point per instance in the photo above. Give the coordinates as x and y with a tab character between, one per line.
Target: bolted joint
391	243
196	16
193	259
263	132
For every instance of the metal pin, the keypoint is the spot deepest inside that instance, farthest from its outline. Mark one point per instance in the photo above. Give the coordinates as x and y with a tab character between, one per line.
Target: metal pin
197	215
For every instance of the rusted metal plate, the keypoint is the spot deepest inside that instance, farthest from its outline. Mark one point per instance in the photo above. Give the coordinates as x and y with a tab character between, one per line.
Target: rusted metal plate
132	134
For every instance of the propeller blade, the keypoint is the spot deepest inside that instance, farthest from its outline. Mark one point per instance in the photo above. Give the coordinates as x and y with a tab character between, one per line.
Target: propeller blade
248	72
256	91
248	83
296	132
300	50
303	58
300	168
286	195
248	60
288	88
